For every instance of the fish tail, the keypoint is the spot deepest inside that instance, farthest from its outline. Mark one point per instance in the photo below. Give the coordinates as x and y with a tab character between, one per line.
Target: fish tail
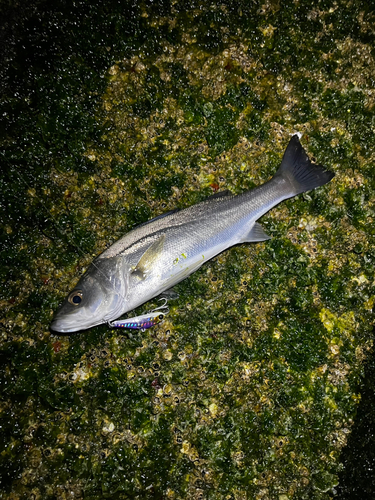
297	169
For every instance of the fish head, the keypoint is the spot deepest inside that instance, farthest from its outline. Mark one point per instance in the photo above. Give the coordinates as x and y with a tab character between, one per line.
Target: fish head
97	298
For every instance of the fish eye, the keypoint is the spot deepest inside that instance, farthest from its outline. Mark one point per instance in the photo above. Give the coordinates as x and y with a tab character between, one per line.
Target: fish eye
161	316
75	297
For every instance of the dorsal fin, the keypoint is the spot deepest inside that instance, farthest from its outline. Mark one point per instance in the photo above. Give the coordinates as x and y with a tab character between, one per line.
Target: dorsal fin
220	194
157	217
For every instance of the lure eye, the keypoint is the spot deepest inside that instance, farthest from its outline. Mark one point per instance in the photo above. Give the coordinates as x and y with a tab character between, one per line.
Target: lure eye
161	316
75	297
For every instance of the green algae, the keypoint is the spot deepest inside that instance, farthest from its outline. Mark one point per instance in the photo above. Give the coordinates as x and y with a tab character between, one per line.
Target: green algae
249	388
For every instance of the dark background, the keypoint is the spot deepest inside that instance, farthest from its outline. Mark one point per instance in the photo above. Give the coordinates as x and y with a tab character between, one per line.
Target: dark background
25	48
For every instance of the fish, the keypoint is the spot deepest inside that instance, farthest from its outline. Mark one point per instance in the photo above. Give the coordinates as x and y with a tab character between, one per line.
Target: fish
160	253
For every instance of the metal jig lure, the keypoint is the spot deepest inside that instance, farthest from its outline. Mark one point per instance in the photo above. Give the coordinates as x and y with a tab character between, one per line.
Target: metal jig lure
144	321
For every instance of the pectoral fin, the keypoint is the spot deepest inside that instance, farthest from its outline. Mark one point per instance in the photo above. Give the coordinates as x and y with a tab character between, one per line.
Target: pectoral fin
256	234
149	258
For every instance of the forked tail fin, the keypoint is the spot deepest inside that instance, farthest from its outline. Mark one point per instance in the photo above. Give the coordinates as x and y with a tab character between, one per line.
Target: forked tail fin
298	170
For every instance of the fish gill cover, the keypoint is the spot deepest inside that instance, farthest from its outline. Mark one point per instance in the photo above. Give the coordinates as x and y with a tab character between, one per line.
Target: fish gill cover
115	112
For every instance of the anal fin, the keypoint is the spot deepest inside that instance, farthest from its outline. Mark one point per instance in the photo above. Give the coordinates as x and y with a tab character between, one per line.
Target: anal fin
256	234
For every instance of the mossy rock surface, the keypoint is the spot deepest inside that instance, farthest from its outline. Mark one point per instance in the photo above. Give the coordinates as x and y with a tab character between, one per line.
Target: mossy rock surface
115	112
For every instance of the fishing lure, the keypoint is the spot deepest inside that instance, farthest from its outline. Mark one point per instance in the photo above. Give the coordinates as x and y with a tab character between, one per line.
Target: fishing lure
143	321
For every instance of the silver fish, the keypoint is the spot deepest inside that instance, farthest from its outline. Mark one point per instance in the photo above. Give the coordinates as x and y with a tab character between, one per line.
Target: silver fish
158	254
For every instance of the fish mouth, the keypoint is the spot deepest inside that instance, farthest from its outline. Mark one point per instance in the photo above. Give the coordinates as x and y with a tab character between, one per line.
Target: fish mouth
64	326
60	326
